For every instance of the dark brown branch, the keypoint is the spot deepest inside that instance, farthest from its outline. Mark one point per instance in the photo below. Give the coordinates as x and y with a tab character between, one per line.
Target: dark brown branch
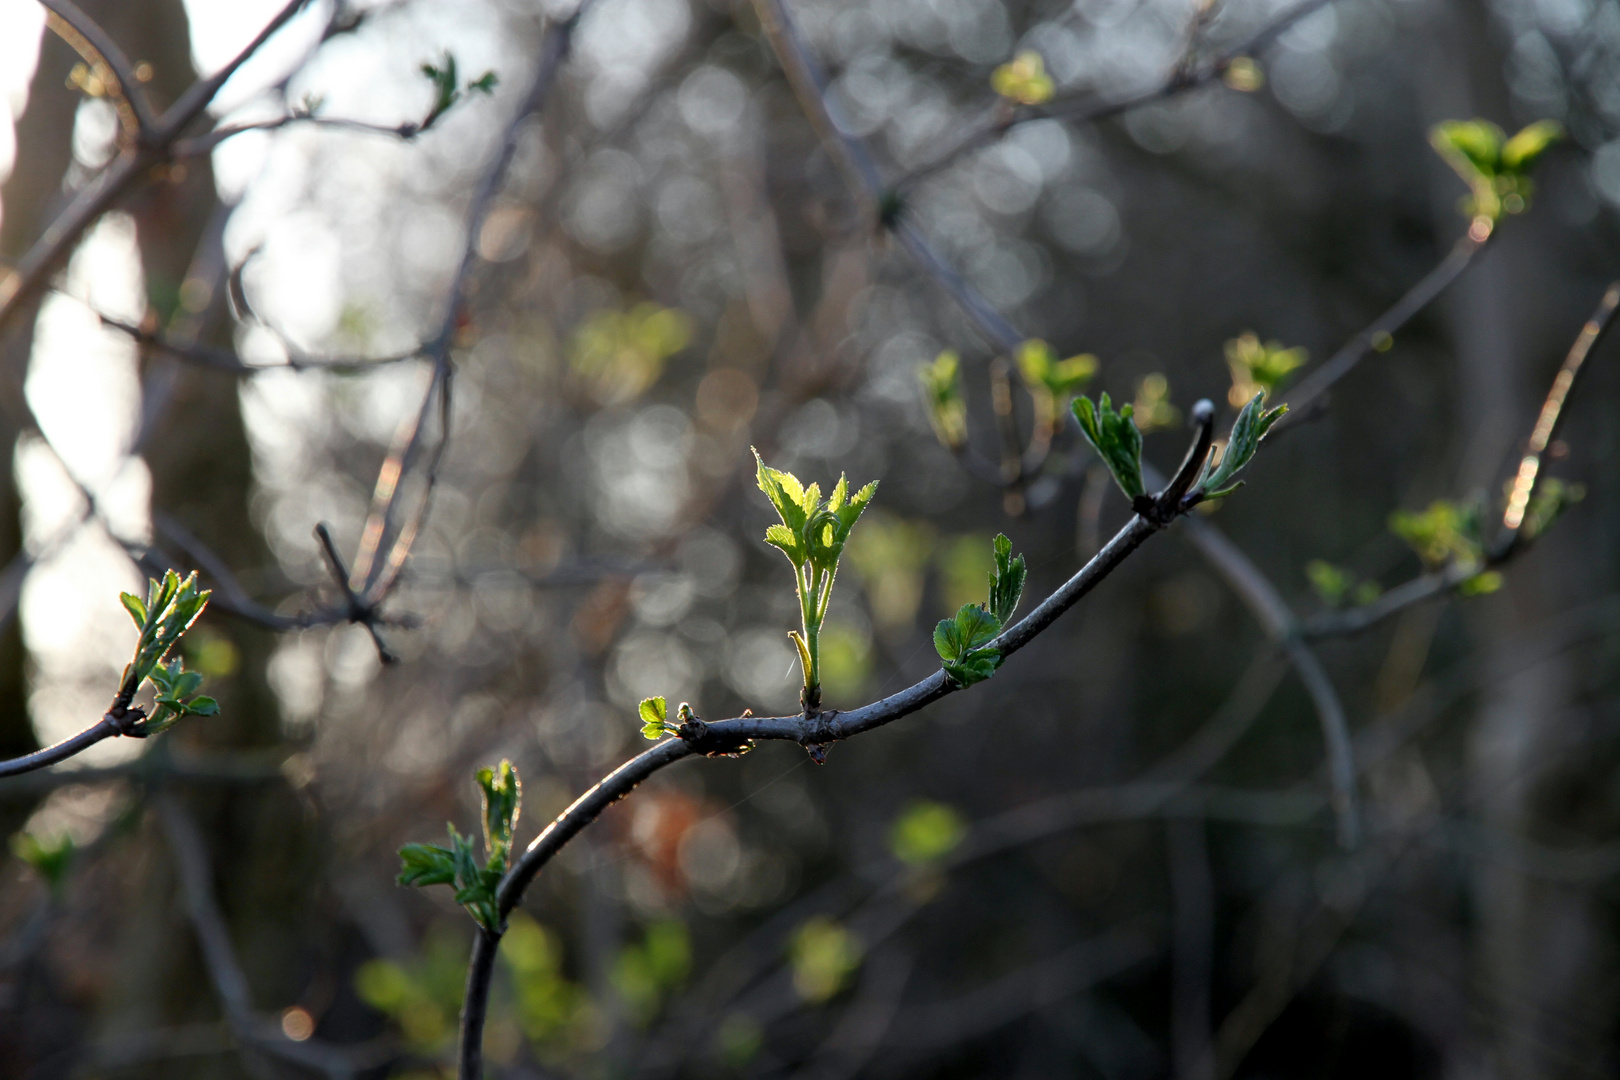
68	21
814	729
51	755
1087	109
226	360
359	612
42	260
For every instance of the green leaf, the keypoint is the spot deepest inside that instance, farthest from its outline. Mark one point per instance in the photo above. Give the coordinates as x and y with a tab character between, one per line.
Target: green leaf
942	392
1523	150
926	832
654	713
1043	372
49	858
1116	439
1006	581
1472	147
503	795
1446	532
962	645
1481	584
202	706
426	864
1253	422
1330	582
136	609
485	83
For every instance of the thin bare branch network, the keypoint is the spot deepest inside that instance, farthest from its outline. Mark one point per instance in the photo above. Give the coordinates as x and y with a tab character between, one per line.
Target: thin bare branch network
1510	541
1184	75
132	166
225	972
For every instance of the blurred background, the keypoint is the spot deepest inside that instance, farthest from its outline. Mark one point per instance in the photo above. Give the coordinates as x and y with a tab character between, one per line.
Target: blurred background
1115	859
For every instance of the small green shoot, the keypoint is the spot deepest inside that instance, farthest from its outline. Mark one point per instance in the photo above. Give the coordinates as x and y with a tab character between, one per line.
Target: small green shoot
926	832
49	858
447	89
1043	372
171	606
1023	80
1445	533
812	535
942	394
430	864
1495	168
1216	478
1257	366
1336	585
823	955
1116	439
963	641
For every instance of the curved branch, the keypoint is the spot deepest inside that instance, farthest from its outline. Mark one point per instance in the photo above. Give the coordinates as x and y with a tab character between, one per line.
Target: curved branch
102	47
69	747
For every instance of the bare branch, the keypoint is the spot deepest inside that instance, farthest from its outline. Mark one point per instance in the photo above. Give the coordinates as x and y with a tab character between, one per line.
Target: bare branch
51	755
86	37
219	955
1087	109
1510	541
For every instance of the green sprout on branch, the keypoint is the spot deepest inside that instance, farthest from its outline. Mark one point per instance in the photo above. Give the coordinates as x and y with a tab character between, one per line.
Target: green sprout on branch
654	714
430	864
964	640
1495	168
447	89
1051	381
1257	366
170	608
1023	80
812	536
1215	480
942	393
1116	439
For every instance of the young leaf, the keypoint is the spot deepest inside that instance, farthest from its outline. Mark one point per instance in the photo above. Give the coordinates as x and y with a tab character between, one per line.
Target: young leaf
1006	581
1023	80
1252	424
426	864
49	858
942	392
136	609
1256	366
484	84
962	645
654	713
1115	438
1523	150
503	795
1042	371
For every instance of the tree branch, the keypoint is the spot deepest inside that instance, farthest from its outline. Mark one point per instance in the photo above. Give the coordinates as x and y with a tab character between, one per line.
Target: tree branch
69	22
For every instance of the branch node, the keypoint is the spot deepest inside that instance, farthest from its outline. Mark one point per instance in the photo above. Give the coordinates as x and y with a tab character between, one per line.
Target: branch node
710	743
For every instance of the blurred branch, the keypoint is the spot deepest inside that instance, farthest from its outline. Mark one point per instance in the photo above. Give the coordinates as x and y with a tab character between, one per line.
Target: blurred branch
129	168
226	360
1510	541
219	957
1021	992
1087	109
1192	951
375	572
865	1022
86	37
1378	335
158	768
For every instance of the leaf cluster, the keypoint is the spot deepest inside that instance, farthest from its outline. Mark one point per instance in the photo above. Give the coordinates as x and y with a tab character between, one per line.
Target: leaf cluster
1043	372
1215	479
1023	79
812	534
654	715
942	395
447	89
1257	365
1116	439
457	865
964	640
1495	167
1445	533
171	606
1152	409
1335	585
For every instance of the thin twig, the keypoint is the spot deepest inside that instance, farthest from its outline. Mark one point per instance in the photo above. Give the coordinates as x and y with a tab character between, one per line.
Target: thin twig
226	360
219	955
32	271
1087	109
